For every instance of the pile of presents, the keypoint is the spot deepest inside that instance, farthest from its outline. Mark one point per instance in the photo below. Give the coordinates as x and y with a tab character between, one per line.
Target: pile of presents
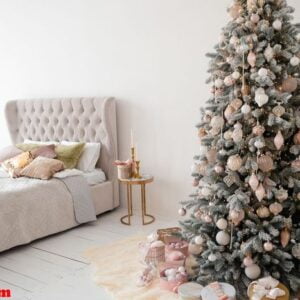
165	258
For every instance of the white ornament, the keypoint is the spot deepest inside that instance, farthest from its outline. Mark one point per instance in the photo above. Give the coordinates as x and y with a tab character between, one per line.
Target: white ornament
275	208
212	257
228	81
237	135
268	246
263	212
260	193
206	191
253	271
279	140
219	169
236	75
182	212
261	98
217	122
223	238
253	182
222	38
263	72
218	83
251	59
269	53
246	108
248	261
199	240
259	144
222	224
295	61
194	168
195	249
234	40
277	25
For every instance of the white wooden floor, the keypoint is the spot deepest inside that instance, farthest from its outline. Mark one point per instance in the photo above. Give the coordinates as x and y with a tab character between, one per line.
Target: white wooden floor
53	268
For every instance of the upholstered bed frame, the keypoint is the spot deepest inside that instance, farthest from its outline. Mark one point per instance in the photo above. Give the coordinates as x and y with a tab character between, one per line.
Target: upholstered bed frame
72	119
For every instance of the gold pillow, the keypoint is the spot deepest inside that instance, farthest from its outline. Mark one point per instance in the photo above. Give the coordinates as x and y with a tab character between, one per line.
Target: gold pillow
42	168
14	165
69	154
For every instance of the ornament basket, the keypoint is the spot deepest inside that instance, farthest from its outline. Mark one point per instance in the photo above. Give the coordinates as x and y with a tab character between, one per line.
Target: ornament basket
152	255
169	235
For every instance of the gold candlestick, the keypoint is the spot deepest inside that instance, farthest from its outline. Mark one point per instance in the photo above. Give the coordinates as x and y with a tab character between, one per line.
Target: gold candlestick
137	174
133	162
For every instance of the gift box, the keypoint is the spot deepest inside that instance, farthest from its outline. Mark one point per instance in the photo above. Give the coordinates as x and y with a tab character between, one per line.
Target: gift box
190	291
172	283
169	235
218	290
181	246
268	288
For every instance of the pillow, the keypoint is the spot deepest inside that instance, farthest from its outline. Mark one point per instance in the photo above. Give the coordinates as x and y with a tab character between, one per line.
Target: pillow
42	168
69	154
14	165
26	141
27	147
45	151
89	156
9	152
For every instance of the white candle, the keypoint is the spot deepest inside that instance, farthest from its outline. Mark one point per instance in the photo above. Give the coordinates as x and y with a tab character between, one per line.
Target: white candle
131	134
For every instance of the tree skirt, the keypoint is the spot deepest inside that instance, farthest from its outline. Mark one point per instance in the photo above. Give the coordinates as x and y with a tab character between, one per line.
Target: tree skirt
117	266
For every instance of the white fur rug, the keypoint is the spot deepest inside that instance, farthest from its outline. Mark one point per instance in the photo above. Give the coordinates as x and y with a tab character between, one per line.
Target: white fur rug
117	266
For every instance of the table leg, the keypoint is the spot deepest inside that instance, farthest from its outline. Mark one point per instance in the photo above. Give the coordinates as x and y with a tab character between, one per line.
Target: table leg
129	206
144	208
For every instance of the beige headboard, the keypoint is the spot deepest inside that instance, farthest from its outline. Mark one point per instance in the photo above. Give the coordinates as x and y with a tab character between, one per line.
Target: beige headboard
72	119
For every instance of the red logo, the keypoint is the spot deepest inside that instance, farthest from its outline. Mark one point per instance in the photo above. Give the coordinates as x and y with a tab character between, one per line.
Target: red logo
5	293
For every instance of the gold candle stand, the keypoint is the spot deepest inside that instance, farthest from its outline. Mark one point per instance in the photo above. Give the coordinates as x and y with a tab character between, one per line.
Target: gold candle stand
135	165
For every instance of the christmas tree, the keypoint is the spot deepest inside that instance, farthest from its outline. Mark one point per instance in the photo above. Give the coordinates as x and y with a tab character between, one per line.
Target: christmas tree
245	209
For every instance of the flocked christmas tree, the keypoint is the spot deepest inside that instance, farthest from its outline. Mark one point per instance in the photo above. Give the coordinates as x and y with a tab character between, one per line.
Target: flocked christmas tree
244	221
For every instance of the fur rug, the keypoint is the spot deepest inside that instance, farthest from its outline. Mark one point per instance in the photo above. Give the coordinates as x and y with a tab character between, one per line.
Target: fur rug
117	266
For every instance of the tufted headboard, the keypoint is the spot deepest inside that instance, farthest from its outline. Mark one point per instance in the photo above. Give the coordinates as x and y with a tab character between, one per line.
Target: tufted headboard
71	119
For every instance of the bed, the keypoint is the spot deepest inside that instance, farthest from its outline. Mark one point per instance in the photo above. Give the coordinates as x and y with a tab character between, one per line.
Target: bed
71	119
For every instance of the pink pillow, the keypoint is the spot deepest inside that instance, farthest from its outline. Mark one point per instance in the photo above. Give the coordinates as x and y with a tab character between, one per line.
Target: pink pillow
9	152
45	151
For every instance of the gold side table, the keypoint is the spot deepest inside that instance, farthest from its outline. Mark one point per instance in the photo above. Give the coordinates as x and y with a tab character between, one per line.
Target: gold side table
142	182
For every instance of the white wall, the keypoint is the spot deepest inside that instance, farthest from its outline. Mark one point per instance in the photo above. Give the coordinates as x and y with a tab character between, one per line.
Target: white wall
147	53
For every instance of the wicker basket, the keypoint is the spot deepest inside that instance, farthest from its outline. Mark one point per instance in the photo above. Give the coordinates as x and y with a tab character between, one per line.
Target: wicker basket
155	255
168	235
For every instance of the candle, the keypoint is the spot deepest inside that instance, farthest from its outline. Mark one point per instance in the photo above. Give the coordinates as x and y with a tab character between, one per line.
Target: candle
136	151
131	134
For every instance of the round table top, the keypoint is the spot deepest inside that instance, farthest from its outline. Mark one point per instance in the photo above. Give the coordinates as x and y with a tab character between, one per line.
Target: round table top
143	180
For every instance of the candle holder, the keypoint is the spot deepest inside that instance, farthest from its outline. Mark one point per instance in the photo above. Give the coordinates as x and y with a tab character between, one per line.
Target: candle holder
137	173
133	162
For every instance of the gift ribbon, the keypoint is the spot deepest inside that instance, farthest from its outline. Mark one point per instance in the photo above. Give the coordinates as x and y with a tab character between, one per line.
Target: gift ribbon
266	287
216	287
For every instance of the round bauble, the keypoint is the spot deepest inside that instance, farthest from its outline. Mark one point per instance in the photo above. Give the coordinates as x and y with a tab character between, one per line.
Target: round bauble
295	61
212	257
277	25
265	163
281	195
235	10
234	162
278	110
296	251
228	135
206	192
182	211
258	130
236	75
296	138
253	271
263	212
195	182
248	261
199	240
218	83
263	72
228	81
268	246
289	85
254	18
219	169
217	122
275	208
223	238
236	216
195	249
222	224
246	109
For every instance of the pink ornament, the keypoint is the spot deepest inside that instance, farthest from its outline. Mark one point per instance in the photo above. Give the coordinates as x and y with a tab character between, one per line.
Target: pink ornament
278	140
248	261
195	182
275	208
253	182
219	169
237	216
268	246
255	18
251	59
289	85
260	193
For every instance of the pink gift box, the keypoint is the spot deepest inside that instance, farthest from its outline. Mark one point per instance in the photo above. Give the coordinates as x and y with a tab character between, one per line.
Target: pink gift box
171	285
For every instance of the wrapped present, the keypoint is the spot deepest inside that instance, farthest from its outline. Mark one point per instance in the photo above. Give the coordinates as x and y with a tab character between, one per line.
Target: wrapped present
169	235
172	278
268	288
190	291
218	291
